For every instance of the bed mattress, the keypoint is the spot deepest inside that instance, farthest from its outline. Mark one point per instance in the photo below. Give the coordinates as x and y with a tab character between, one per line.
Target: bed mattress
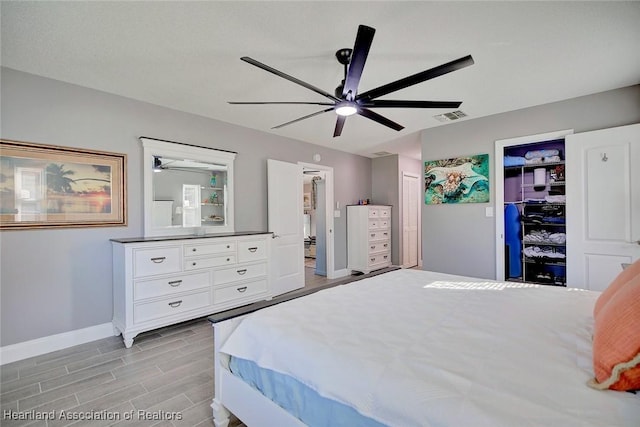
414	348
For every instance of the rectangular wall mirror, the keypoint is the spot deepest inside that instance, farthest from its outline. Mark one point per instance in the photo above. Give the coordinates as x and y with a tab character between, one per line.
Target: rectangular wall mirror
187	189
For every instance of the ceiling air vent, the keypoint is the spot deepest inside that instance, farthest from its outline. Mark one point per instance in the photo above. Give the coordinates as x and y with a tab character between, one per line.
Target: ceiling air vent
382	153
448	117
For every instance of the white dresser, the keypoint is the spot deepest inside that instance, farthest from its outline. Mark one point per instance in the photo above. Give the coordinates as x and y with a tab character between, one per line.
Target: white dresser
368	237
162	281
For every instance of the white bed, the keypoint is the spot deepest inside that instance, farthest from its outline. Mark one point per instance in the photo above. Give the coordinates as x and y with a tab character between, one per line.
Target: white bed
415	348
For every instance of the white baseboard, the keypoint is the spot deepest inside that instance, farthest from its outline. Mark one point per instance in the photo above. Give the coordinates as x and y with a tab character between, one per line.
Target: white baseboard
26	349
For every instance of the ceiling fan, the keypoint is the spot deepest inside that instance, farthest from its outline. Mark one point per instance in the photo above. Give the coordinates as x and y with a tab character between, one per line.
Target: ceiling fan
346	99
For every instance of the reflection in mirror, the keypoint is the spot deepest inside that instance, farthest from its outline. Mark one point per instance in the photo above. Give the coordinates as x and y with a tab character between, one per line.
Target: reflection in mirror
187	195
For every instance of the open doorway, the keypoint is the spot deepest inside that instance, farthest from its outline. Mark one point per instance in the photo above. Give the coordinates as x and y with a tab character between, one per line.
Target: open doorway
318	223
314	201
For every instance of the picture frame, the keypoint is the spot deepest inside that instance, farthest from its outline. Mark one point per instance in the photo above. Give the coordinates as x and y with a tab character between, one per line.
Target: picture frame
49	186
457	180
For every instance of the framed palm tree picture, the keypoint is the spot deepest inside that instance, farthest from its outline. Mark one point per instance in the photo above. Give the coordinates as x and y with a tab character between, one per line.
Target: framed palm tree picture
51	186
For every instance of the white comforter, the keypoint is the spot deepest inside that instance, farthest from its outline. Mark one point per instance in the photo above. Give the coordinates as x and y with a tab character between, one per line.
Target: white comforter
414	348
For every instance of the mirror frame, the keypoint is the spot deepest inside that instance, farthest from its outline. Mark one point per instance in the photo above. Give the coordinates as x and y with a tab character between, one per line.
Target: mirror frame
157	147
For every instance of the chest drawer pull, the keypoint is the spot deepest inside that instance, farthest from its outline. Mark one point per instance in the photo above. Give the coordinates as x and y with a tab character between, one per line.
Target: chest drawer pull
253	249
228	246
242	289
193	263
241	272
175	283
373	235
373	247
373	259
175	304
385	245
194	249
158	259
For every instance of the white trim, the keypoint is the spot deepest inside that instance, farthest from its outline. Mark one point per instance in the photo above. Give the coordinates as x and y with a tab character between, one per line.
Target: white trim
341	273
329	223
501	144
36	347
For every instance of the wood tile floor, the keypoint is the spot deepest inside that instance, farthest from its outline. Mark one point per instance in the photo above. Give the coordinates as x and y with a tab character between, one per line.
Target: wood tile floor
165	379
167	374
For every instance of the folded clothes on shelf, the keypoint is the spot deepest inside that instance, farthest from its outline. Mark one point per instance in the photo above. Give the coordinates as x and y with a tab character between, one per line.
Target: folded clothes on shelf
514	161
544	236
538	160
541	154
545	252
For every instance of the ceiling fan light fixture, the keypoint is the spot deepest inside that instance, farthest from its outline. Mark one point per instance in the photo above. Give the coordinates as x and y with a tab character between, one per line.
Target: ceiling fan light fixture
346	109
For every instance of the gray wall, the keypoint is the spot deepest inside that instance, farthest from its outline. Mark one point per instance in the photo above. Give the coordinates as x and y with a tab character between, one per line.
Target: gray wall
59	280
386	189
460	239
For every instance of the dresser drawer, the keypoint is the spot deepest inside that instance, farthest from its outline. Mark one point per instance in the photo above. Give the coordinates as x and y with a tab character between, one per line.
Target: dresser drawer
213	248
170	285
379	235
251	250
214	261
378	223
149	262
229	275
242	290
379	259
384	213
170	306
374	213
378	247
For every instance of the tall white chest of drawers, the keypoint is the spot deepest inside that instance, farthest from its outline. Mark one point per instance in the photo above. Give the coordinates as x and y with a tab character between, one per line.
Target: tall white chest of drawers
159	282
368	237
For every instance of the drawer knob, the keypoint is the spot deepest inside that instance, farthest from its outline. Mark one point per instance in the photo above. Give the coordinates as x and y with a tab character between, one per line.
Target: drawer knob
253	249
241	272
175	283
158	260
373	247
193	250
373	235
228	246
385	257
373	259
228	259
175	304
242	289
193	263
386	244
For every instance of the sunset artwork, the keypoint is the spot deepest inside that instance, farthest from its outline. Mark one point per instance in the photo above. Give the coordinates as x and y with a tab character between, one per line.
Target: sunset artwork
60	188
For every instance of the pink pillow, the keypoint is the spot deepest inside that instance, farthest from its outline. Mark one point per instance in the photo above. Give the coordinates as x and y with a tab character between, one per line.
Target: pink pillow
616	340
622	278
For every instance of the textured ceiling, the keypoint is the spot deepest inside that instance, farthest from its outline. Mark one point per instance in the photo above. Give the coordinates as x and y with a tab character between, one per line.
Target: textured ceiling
186	56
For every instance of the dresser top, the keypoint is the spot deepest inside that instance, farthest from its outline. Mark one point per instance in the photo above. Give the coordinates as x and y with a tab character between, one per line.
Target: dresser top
187	236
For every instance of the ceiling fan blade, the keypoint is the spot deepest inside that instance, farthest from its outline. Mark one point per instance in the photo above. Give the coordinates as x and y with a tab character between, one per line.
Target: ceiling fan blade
288	77
416	78
380	119
339	125
387	103
302	118
279	102
364	38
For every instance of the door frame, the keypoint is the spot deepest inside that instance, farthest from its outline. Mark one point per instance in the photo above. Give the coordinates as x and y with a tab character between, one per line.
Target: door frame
418	197
329	223
500	145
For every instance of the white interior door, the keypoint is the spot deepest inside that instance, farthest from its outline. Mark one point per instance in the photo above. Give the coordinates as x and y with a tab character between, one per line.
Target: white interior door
285	211
410	196
603	204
